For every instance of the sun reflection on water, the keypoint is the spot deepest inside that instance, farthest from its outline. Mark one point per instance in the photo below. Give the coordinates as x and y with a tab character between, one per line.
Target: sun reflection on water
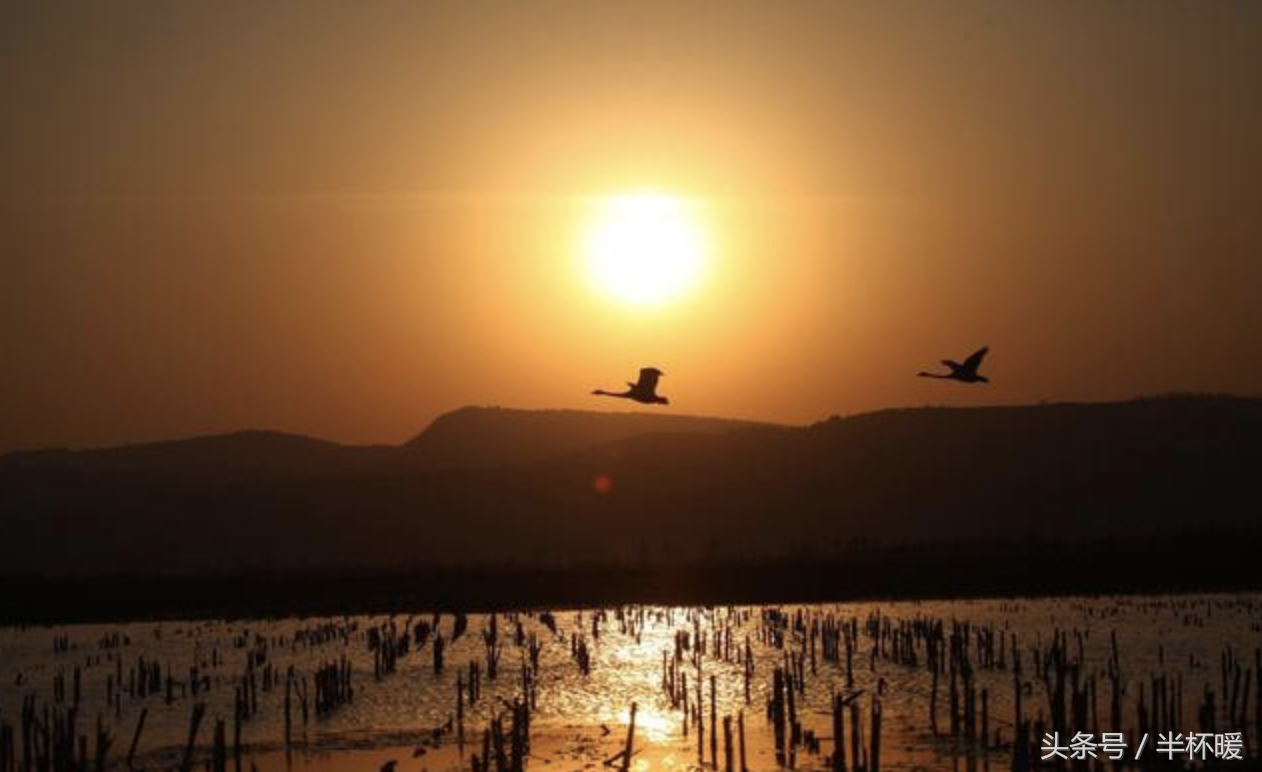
627	649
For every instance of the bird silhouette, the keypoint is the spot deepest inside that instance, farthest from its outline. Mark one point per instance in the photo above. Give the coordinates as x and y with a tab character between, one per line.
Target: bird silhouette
965	372
643	390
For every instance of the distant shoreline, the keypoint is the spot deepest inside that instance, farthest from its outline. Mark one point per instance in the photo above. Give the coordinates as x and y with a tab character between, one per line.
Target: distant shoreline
1202	561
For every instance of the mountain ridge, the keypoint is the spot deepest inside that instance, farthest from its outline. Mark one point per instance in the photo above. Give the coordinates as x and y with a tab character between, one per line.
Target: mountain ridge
454	439
1070	471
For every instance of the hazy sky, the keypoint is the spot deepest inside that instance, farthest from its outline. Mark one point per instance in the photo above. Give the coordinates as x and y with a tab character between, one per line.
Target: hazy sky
343	218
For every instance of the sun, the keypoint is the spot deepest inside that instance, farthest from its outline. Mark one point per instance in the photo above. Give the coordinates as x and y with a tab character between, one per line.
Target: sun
645	248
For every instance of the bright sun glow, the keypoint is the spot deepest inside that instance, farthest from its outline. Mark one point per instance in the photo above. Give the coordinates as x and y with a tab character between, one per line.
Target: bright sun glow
645	249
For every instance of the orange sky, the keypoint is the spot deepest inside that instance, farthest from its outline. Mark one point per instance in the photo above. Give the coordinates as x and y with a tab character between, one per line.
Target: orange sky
343	218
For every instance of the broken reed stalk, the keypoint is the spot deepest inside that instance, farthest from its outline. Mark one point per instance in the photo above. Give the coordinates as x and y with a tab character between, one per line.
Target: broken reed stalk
874	757
626	753
219	755
839	734
194	724
700	719
714	723
135	738
727	744
856	735
289	692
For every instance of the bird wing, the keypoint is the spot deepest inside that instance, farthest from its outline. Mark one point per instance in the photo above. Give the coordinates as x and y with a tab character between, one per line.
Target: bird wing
648	379
975	361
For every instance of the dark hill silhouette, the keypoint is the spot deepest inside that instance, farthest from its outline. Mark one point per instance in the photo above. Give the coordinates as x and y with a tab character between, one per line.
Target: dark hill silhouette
468	437
489	436
1066	472
238	456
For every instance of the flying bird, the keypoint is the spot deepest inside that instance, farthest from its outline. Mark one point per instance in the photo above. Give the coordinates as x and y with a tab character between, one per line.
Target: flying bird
965	372
643	390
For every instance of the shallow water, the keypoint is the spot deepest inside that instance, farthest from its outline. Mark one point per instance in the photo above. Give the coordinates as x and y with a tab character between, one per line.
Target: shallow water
1176	636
